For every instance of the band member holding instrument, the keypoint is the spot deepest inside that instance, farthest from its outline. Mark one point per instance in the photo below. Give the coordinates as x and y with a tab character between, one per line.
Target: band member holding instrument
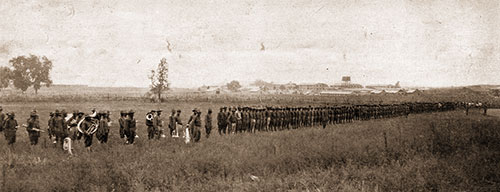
87	134
10	128
33	128
151	124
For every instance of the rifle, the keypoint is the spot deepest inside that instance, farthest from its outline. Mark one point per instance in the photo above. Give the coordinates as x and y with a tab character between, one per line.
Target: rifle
34	129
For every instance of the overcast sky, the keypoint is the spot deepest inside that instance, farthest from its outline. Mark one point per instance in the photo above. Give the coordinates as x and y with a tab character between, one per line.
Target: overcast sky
117	42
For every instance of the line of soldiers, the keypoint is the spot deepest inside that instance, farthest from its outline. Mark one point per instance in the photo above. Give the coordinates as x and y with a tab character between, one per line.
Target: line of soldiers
229	120
251	119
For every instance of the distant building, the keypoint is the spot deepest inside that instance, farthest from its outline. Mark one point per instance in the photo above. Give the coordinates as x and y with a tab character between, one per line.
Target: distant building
384	86
312	87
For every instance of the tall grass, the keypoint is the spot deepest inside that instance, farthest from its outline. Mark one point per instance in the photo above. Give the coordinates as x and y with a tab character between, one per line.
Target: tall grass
427	152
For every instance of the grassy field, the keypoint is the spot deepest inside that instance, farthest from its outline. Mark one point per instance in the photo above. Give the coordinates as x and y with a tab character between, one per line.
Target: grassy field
426	152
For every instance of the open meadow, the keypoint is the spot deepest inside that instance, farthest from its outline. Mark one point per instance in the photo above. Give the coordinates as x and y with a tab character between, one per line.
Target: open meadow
442	151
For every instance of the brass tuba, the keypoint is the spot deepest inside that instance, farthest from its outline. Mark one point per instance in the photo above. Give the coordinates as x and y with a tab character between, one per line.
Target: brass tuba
149	116
93	128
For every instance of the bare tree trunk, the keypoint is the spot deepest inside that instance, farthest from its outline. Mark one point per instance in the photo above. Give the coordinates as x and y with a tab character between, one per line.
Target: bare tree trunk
159	96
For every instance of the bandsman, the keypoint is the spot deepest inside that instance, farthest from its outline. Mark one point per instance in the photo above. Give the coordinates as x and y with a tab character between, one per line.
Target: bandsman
86	126
151	124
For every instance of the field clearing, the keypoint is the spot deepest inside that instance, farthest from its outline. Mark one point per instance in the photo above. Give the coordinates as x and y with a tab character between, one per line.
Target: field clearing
446	151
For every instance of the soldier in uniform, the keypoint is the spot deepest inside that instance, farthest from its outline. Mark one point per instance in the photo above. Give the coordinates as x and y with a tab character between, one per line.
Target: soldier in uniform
221	121
195	125
485	108
151	125
130	127
171	122
58	124
233	119
50	124
87	136
159	124
2	119
103	131
178	122
10	128
33	128
324	117
121	121
208	123
239	120
253	119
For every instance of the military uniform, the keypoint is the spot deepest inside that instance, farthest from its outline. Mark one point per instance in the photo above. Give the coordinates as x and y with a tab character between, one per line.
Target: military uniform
33	128
178	122
208	123
171	122
10	128
222	121
88	137
195	125
2	119
151	126
159	124
60	128
130	127
121	121
103	131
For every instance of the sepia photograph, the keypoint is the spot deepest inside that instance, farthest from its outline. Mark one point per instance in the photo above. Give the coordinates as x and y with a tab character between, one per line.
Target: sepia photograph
249	95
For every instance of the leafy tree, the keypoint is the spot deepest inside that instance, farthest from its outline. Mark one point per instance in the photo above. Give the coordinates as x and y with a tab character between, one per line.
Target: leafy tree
159	79
282	87
233	86
260	83
31	71
4	77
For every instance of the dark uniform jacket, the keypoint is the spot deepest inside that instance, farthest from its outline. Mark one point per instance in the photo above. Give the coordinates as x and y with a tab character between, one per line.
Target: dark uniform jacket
221	118
33	123
2	120
10	125
208	121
